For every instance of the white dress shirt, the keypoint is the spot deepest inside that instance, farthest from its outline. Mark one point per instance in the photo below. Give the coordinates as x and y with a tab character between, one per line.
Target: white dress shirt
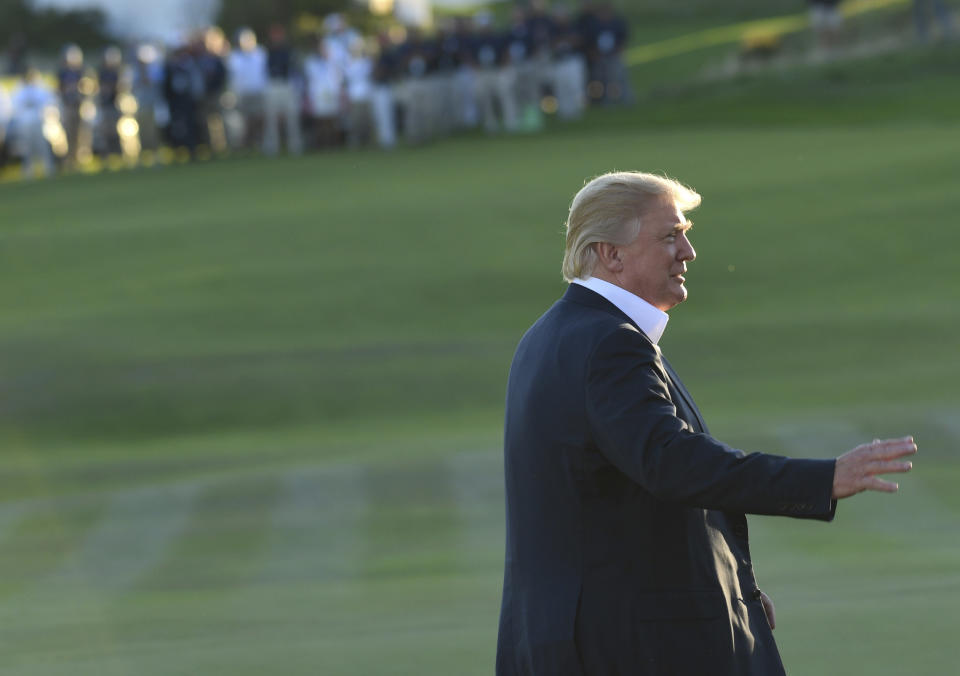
29	103
324	82
248	71
651	321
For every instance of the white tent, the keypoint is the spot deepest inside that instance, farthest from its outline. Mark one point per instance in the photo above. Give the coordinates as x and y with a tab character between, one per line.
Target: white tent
163	18
153	19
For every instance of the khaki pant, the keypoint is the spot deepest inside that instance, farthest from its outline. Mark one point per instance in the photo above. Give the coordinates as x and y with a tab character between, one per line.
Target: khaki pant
413	95
250	106
496	88
70	117
360	123
35	147
465	97
147	125
570	86
383	116
281	100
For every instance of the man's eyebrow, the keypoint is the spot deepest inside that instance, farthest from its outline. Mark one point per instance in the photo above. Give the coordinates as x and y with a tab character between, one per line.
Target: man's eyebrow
683	227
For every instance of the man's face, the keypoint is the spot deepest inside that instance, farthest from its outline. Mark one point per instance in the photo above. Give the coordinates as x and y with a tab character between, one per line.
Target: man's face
654	263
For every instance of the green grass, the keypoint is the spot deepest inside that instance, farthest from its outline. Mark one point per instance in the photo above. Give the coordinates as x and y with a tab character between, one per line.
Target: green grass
251	409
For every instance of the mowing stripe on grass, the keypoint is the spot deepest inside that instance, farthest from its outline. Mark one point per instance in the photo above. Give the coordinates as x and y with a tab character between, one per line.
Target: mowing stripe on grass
411	525
131	538
477	482
314	532
10	516
42	541
221	546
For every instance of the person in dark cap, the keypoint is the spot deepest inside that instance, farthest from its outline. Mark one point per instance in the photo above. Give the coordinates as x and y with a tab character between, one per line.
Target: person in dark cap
183	90
108	114
282	99
69	77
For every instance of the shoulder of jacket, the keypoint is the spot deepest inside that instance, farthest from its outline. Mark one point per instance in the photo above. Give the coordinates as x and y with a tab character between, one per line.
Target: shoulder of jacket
619	334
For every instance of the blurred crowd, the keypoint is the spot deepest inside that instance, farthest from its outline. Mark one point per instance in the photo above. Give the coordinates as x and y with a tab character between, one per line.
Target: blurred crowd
206	95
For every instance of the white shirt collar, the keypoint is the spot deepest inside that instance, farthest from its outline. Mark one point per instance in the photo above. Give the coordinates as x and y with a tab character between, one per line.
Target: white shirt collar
651	321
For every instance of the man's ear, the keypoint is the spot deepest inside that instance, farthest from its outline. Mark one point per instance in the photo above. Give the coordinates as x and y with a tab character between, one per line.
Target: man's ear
609	256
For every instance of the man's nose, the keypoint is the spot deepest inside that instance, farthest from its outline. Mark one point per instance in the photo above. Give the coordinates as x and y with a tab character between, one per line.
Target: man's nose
686	251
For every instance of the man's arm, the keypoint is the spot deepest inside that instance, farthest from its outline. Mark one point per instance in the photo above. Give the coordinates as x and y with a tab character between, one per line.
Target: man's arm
635	426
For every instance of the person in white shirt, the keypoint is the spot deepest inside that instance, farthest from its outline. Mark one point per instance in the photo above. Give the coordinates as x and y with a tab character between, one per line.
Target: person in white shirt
339	39
31	101
359	72
325	83
248	81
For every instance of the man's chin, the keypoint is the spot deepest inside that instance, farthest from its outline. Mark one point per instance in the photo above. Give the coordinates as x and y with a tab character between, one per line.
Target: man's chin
679	296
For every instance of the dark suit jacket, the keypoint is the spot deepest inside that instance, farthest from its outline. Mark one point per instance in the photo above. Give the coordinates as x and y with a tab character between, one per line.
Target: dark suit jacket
627	543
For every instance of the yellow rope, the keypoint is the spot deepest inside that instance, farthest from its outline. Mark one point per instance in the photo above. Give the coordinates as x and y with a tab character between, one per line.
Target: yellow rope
734	33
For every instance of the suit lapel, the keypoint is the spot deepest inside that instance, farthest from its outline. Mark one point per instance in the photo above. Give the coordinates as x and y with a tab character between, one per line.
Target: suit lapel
677	386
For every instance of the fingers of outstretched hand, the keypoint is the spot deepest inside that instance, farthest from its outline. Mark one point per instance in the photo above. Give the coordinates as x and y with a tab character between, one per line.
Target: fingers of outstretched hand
887	466
877	484
856	470
890	448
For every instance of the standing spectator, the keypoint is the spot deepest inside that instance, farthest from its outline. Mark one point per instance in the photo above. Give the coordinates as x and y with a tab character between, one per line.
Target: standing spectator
495	84
517	58
359	76
608	41
384	73
339	38
414	90
569	67
827	23
30	103
448	52
248	80
324	83
921	15
148	77
586	25
282	96
69	77
209	54
541	27
183	89
465	80
108	77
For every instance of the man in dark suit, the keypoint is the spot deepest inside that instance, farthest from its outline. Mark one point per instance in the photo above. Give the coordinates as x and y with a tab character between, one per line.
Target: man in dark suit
627	548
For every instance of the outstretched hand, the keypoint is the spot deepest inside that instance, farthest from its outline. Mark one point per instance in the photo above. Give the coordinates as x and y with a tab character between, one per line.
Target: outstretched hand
856	471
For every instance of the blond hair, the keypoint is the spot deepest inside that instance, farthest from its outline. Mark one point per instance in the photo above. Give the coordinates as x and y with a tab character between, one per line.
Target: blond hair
609	209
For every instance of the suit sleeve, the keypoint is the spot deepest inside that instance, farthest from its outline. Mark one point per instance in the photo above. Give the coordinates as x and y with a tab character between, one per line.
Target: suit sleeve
635	426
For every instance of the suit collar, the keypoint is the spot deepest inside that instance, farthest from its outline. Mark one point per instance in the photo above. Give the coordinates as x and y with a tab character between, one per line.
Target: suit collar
581	295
